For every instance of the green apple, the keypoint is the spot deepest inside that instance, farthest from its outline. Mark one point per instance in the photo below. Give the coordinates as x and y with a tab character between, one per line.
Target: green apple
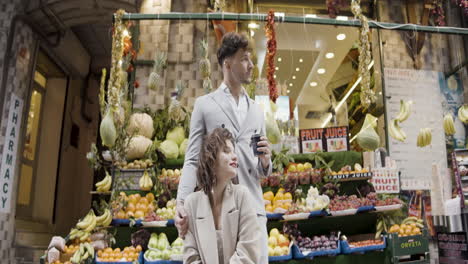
300	167
271	252
272	241
307	165
292	168
277	251
274	232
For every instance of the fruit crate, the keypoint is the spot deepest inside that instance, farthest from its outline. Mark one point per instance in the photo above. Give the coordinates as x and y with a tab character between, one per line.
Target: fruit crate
140	260
409	246
126	180
347	249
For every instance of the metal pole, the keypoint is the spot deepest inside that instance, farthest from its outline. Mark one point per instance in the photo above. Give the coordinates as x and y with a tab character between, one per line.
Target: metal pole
294	19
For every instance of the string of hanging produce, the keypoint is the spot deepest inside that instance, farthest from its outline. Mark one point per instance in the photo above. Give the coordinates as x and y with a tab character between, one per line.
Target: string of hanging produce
365	57
270	56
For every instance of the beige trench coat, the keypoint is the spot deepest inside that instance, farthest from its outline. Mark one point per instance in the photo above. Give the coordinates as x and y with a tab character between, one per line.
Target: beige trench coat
240	230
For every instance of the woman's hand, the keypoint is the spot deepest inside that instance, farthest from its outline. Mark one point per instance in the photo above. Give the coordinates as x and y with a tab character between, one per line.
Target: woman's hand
181	219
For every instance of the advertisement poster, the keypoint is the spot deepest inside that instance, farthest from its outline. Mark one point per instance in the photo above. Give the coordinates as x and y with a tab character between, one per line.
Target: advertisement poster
422	87
330	139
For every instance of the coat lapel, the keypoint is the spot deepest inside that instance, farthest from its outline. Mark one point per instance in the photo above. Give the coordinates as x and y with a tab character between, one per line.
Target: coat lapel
250	117
230	221
207	232
221	99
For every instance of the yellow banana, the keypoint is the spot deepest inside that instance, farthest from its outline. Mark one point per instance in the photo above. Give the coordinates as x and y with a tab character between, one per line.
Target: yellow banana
463	113
396	132
105	184
449	127
92	225
103	220
85	222
405	110
424	137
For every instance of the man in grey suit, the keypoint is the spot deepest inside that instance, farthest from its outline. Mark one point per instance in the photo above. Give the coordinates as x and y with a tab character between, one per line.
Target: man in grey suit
230	107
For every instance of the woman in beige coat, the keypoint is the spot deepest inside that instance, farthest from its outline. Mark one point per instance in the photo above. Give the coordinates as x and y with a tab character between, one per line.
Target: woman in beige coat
222	224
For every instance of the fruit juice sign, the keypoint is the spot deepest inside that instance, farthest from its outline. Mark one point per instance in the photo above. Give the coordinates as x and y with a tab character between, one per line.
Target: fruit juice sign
10	149
385	180
330	139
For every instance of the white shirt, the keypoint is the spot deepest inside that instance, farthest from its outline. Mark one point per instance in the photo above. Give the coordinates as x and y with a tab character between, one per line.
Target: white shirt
241	108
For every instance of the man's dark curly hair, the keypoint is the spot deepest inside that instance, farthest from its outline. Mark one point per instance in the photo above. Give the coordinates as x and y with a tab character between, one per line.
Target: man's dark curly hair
230	44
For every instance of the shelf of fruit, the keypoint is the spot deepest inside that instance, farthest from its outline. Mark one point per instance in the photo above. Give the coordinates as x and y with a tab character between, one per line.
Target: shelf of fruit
279	206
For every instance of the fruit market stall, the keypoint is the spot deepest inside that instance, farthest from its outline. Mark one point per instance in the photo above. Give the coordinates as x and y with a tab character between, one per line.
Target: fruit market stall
320	206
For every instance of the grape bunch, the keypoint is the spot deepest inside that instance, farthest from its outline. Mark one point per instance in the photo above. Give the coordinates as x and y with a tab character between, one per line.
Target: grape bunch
318	243
340	203
330	189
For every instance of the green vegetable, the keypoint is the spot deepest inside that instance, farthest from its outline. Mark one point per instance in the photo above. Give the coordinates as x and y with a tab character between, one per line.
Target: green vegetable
107	129
272	130
177	135
183	147
170	149
367	138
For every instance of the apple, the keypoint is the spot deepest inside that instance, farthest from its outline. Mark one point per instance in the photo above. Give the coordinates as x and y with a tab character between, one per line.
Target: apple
307	165
170	173
177	173
300	167
277	251
272	241
271	251
274	232
292	168
285	251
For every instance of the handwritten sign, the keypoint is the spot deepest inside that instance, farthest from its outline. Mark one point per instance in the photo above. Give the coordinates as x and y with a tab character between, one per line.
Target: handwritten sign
10	149
330	139
453	247
385	180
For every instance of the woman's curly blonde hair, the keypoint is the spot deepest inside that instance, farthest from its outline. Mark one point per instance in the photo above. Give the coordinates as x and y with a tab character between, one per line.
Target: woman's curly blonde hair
211	146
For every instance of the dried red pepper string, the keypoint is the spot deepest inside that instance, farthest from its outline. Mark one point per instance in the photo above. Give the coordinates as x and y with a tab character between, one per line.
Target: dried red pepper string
270	57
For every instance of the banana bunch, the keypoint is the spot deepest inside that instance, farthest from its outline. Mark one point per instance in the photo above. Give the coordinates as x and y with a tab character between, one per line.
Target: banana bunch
88	223
105	219
79	234
413	220
463	114
405	110
449	127
394	129
381	227
105	184
396	132
424	137
86	251
145	182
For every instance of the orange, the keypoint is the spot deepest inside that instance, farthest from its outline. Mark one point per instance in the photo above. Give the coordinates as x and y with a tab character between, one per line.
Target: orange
129	214
141	207
99	253
108	250
268	196
287	205
105	255
280	190
151	207
269	208
279	196
138	196
416	230
288	196
143	200
132	199
150	197
139	214
413	225
130	207
138	248
125	255
117	250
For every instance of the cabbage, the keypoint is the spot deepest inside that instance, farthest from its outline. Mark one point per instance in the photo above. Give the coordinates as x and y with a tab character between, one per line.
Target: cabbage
177	135
367	138
141	124
170	149
137	147
183	147
107	129
272	130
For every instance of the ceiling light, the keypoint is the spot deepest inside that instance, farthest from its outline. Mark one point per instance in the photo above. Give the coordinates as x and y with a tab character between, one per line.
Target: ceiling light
340	36
253	25
274	76
252	33
279	59
297	69
330	55
289	91
290	84
294	77
311	15
276	68
321	71
313	84
343	18
301	60
279	14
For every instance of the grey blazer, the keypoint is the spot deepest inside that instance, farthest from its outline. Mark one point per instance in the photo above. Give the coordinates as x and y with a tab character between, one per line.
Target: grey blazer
212	111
